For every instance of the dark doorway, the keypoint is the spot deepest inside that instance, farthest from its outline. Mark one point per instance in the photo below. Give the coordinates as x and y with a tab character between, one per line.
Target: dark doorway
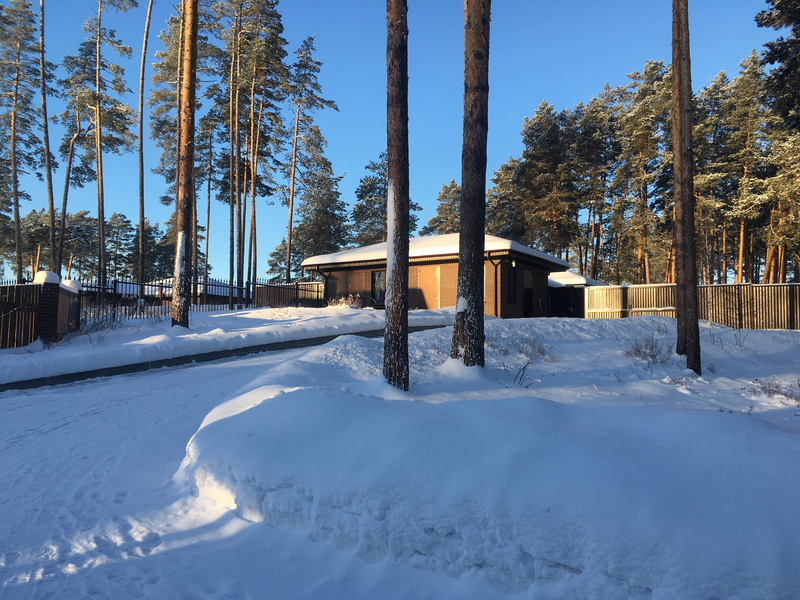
527	293
378	288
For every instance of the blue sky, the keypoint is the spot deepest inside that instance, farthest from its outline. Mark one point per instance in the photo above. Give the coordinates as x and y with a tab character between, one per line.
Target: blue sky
562	52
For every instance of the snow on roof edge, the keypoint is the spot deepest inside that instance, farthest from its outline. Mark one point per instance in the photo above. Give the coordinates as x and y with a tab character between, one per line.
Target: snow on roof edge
570	278
431	245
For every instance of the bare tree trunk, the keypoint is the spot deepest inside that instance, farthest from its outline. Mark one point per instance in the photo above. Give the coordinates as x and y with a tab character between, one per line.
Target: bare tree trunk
231	196
46	135
63	224
185	193
724	251
291	193
253	262
740	263
468	326
98	147
14	174
395	348
141	148
208	218
686	305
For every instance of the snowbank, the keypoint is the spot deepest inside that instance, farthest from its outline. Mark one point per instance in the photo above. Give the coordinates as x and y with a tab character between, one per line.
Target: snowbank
143	340
549	472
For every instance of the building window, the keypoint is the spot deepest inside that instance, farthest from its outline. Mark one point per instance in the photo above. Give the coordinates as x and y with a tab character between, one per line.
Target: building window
378	287
512	282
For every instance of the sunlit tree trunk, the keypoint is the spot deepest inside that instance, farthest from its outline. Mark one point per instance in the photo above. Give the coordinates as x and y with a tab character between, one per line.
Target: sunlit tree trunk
54	265
185	193
468	325
14	174
395	352
98	147
141	148
686	305
68	170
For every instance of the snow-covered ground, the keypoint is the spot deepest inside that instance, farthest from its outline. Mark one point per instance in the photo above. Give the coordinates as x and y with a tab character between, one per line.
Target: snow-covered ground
145	340
572	466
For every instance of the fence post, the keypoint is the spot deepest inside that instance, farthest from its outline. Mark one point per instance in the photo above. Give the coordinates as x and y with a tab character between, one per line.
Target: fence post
114	303
48	313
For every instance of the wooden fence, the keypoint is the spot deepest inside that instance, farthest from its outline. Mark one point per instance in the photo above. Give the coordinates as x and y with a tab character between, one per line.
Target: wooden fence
32	311
742	306
19	315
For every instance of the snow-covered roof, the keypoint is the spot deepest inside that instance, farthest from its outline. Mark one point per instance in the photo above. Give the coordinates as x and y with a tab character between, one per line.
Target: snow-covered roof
431	245
565	278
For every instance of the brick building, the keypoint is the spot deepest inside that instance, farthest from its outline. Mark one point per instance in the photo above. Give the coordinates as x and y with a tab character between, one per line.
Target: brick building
515	276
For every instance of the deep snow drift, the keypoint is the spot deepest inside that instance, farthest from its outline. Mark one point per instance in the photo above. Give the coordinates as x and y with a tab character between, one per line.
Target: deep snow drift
582	462
563	469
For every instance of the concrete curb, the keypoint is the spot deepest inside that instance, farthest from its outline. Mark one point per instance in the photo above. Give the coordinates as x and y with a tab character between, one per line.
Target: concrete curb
191	358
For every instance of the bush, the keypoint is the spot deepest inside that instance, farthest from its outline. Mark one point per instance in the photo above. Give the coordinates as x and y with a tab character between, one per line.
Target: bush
349	300
649	350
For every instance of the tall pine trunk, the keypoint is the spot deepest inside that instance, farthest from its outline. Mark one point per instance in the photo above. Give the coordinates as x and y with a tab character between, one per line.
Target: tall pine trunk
54	264
98	148
468	324
208	216
231	196
14	168
141	148
292	174
181	289
686	305
63	225
395	348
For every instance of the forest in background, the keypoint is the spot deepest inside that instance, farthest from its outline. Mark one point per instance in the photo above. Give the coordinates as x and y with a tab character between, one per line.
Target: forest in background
593	184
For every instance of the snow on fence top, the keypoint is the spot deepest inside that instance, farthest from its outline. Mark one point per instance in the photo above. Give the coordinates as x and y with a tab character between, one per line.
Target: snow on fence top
432	245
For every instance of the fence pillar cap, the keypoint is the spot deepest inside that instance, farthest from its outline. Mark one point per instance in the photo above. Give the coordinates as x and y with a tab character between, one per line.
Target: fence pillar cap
46	277
71	285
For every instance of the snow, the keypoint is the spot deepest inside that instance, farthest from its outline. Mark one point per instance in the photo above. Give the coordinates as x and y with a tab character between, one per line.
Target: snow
563	469
46	277
146	340
432	245
71	285
566	278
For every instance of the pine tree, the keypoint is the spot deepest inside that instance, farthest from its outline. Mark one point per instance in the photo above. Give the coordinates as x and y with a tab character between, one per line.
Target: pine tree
747	122
594	155
715	176
101	105
782	85
19	67
80	243
504	211
369	211
545	181
304	96
321	225
118	241
277	263
643	108
448	211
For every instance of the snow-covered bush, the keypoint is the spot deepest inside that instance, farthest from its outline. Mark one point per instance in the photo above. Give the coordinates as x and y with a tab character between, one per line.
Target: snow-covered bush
649	350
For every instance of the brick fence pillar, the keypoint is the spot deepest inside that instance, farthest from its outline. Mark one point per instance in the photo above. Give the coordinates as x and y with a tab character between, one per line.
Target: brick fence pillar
48	313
